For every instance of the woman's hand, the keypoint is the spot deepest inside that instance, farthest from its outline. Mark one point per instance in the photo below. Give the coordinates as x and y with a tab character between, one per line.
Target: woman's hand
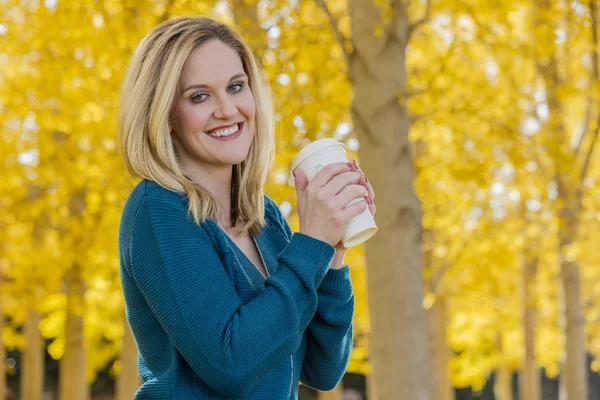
340	250
322	201
365	182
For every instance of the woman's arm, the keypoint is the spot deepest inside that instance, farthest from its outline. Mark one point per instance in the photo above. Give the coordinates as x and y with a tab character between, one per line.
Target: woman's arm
329	334
229	345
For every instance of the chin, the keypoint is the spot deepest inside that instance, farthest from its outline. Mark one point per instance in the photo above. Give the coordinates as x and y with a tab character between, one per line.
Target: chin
238	160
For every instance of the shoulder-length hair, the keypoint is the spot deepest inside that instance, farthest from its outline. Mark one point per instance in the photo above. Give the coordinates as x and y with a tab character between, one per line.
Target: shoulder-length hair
147	99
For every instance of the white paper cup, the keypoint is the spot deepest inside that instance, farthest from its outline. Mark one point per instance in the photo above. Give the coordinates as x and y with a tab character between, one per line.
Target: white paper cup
310	160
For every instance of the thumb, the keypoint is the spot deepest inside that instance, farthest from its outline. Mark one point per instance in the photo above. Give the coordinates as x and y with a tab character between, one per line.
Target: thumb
301	181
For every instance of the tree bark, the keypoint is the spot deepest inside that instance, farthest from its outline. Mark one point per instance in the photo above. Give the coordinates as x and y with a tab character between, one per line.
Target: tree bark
440	351
503	384
399	349
32	372
371	387
530	382
2	349
574	374
245	15
575	369
129	379
72	367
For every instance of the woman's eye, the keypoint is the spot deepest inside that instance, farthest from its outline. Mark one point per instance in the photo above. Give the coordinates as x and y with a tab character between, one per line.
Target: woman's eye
238	85
197	97
233	88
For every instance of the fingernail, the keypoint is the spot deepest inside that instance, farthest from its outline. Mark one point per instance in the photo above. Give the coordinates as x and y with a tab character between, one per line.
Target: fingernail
354	162
362	180
294	173
369	201
349	164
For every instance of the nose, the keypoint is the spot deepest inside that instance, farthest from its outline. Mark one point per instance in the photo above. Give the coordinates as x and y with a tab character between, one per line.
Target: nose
226	108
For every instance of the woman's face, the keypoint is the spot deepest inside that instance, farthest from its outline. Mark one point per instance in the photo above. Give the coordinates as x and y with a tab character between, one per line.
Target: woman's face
214	125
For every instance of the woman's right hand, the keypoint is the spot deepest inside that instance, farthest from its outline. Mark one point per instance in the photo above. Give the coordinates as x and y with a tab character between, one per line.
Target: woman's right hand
321	201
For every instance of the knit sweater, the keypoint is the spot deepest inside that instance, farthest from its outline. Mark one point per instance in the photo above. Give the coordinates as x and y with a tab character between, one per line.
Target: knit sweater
207	323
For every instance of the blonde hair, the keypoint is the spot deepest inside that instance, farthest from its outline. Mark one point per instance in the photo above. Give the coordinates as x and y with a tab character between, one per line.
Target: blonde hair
147	98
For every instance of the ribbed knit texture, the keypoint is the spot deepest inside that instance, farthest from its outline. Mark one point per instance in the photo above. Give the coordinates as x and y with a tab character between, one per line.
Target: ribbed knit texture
208	325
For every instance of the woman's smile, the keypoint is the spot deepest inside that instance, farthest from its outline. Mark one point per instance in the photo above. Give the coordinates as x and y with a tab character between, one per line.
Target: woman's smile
228	133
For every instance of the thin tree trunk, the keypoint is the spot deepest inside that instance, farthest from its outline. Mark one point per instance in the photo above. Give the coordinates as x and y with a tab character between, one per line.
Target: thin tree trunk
575	370
336	394
245	15
503	384
440	351
129	379
371	386
72	368
574	374
399	349
530	382
2	349
32	372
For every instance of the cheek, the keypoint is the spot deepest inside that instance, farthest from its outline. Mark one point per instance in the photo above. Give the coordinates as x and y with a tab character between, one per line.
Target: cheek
249	106
191	117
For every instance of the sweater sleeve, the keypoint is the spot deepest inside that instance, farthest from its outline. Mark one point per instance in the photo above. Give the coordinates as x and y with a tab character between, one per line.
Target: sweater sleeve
230	345
329	333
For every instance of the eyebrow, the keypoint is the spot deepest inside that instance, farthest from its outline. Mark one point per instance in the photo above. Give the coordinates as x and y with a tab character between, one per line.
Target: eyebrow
202	86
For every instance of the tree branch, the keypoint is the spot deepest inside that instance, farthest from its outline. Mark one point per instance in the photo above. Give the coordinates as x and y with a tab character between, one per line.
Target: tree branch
412	27
333	22
438	274
586	125
596	72
590	152
443	63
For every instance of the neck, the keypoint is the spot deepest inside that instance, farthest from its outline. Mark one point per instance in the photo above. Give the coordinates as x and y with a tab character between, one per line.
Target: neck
217	180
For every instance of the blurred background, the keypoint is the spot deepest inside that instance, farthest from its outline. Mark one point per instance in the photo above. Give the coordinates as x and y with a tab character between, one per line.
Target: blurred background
476	121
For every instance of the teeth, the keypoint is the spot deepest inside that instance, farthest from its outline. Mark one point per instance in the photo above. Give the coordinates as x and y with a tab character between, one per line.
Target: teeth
226	132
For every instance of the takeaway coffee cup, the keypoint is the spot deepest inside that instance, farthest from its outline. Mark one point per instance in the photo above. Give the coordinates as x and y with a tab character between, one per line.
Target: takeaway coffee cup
310	160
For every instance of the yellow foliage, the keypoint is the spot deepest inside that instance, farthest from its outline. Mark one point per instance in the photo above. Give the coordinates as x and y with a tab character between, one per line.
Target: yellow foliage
491	135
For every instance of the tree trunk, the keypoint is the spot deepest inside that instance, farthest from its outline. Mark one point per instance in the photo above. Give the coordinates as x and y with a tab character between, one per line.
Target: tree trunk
503	384
2	349
399	349
574	374
440	351
336	394
575	369
245	15
371	387
72	368
32	371
72	371
530	382
129	379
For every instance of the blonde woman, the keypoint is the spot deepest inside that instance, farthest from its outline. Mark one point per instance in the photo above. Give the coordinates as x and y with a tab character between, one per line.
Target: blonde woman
224	301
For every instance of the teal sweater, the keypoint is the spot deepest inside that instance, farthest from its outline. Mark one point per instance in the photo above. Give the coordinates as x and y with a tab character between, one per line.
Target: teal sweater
208	325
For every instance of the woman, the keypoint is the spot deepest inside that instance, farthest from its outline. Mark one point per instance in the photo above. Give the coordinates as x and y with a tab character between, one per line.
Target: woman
223	299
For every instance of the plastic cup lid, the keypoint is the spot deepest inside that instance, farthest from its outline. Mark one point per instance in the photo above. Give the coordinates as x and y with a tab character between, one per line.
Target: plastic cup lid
313	147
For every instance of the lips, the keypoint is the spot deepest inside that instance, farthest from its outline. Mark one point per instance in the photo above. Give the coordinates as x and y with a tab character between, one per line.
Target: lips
230	137
222	127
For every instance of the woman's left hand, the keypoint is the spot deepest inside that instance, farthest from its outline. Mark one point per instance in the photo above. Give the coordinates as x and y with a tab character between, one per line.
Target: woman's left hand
372	208
365	182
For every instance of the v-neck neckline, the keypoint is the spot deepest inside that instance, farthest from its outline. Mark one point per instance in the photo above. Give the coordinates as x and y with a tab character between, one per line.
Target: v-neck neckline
255	240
